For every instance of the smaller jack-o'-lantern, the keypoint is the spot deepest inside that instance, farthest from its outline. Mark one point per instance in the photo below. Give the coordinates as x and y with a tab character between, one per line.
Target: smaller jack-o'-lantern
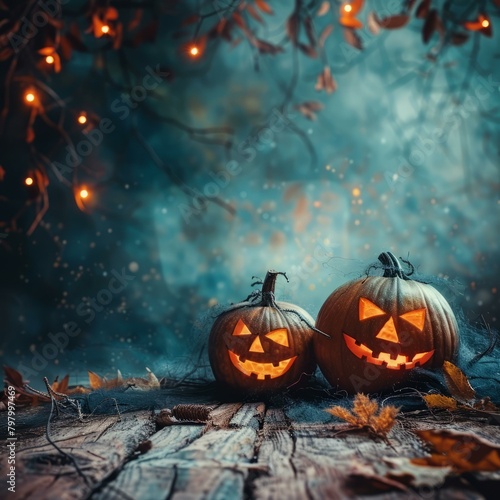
261	345
381	328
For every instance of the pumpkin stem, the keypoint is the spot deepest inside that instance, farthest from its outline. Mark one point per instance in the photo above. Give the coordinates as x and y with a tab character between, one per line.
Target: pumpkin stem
268	287
392	266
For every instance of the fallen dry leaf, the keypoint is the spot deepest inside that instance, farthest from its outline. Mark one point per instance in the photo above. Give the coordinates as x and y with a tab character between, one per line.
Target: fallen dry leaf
404	471
457	383
366	414
440	401
462	451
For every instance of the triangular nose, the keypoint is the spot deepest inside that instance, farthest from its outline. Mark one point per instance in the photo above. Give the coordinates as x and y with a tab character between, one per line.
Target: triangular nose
256	346
388	332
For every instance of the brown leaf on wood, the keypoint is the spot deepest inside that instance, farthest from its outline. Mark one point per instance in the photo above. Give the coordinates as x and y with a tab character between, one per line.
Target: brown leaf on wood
352	38
323	8
417	476
62	386
367	415
440	401
324	35
430	25
325	81
95	381
464	452
423	9
457	383
393	22
12	376
264	6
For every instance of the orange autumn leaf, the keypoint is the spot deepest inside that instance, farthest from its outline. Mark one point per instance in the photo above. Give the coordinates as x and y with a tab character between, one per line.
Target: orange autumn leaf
95	381
457	383
264	7
439	401
366	414
464	452
350	22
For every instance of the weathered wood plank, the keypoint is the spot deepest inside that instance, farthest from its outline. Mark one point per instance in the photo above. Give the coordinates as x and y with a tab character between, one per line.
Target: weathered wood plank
250	415
277	446
99	446
222	415
209	484
197	462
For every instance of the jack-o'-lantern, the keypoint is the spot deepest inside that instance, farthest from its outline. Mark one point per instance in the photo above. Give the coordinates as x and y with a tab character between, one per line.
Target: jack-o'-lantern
261	345
381	328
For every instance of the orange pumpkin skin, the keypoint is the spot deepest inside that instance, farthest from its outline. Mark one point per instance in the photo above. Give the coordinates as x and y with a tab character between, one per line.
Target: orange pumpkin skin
264	346
381	328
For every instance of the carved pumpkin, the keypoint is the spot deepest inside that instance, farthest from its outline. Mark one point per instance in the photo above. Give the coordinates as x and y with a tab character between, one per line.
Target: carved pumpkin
381	328
261	345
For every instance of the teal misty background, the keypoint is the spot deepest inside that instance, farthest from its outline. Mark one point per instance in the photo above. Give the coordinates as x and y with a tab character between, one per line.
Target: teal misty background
403	156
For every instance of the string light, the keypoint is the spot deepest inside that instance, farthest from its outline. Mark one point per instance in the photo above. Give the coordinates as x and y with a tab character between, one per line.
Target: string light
29	96
485	23
194	51
49	59
84	193
348	8
29	181
356	192
82	119
105	29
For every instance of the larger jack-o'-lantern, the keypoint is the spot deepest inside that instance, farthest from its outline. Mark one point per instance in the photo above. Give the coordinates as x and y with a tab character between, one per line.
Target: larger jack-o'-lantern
261	345
381	328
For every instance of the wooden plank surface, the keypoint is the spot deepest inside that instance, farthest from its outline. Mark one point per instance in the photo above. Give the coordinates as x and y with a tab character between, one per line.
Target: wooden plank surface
244	450
99	446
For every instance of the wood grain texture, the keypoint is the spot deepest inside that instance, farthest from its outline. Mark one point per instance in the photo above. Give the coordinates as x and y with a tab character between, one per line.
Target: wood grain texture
100	446
245	451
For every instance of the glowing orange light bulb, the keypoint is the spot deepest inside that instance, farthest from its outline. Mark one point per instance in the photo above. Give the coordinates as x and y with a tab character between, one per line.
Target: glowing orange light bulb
84	193
28	181
82	119
194	51
29	97
105	29
485	23
49	59
348	8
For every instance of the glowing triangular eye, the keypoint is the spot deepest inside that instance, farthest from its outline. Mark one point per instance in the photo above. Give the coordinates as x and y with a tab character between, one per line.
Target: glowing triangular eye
368	309
279	336
416	318
256	346
241	329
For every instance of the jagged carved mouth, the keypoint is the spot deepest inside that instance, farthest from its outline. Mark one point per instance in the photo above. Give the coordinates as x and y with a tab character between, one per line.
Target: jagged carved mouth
261	371
384	359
